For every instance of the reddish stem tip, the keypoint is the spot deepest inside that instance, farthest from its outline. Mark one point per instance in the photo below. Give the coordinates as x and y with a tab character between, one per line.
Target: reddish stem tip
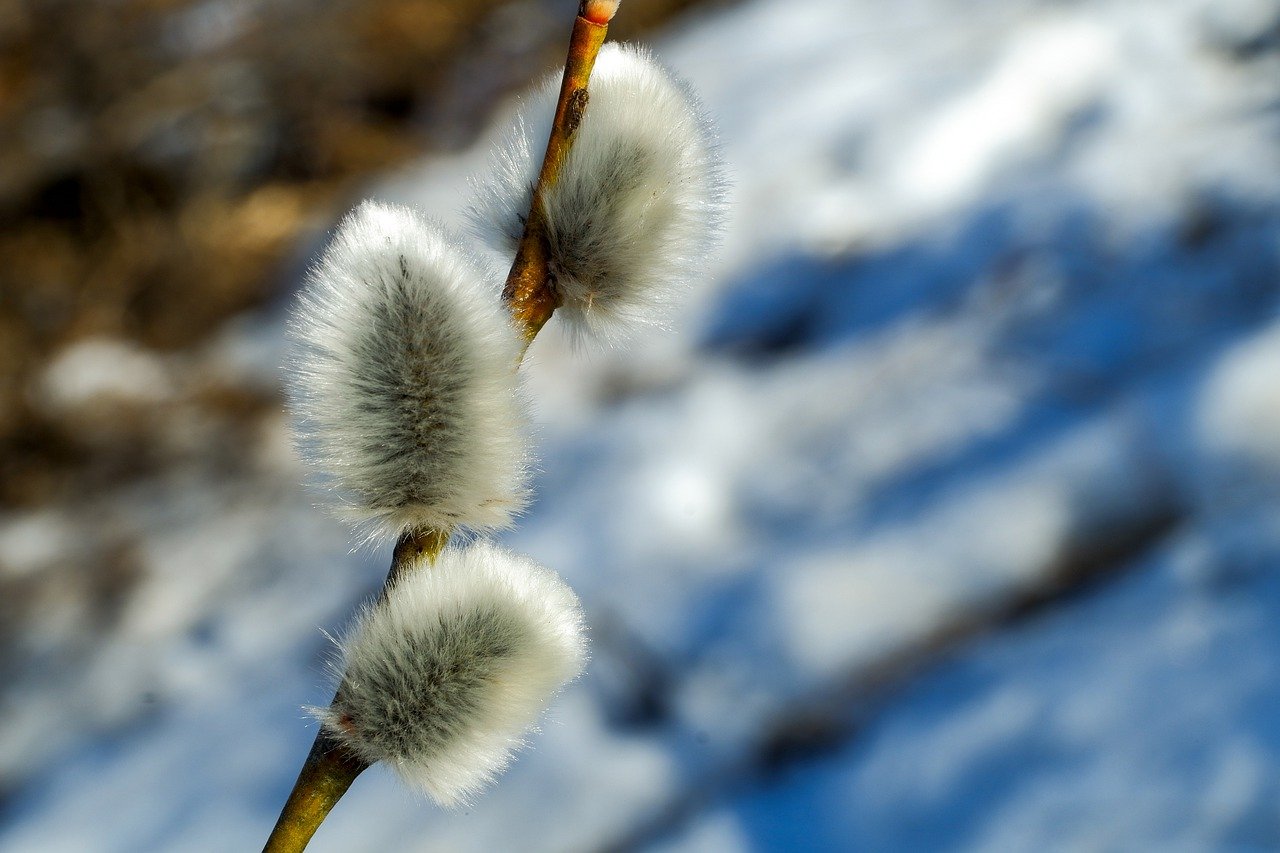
599	11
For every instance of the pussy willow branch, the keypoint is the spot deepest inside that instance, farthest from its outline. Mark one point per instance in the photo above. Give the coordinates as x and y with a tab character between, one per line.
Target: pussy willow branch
329	769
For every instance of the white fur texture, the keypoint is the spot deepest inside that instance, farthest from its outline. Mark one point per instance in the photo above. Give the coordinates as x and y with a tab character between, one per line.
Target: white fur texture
446	674
637	206
404	385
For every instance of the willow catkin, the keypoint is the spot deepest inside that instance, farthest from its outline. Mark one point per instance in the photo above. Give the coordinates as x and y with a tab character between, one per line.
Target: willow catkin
447	672
404	385
636	206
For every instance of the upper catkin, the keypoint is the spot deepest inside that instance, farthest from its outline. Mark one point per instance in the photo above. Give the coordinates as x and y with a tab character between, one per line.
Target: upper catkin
637	204
404	385
445	674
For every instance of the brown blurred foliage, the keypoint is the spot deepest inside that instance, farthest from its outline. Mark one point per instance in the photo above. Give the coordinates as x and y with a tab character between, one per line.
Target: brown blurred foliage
159	159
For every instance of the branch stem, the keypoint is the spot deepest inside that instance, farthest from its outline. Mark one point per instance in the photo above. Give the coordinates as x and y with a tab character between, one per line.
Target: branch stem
325	776
530	291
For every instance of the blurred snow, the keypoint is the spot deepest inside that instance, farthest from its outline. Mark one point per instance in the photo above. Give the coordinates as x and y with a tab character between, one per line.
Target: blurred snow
1239	409
1141	717
948	518
104	368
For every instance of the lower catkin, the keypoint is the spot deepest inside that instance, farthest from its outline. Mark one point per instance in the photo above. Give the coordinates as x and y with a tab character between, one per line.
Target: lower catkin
447	672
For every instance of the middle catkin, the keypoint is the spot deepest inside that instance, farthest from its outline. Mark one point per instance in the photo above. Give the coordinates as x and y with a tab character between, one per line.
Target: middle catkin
404	386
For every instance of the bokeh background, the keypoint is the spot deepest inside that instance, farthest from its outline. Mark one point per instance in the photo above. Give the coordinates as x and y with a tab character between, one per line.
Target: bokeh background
946	517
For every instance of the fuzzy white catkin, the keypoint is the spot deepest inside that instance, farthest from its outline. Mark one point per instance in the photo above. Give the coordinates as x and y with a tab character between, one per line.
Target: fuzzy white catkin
637	206
403	388
445	675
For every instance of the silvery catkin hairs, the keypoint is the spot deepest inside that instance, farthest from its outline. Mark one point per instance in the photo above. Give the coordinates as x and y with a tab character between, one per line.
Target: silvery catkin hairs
637	203
445	674
404	384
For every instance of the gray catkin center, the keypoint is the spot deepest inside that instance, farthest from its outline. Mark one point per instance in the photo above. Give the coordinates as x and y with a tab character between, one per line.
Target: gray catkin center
412	707
418	368
587	232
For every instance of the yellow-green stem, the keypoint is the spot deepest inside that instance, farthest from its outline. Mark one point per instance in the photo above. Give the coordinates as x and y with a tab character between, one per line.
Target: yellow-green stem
325	776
